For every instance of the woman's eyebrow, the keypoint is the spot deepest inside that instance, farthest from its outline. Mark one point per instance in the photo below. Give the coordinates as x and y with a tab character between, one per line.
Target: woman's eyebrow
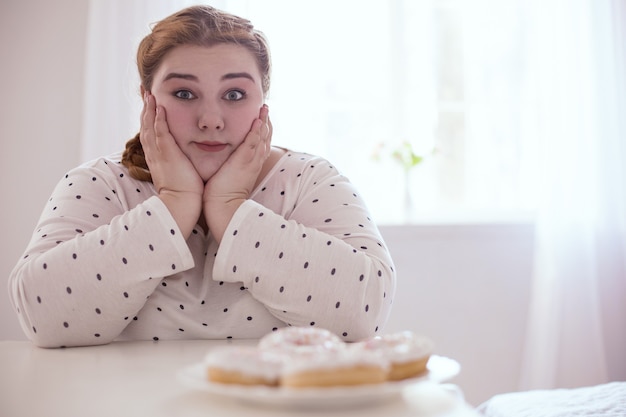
191	77
233	75
181	76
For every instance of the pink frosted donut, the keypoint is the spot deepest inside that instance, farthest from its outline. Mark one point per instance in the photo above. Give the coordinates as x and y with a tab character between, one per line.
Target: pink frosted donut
298	339
407	352
243	365
334	367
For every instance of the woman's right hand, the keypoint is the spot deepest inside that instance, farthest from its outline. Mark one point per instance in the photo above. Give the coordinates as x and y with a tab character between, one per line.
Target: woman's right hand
177	182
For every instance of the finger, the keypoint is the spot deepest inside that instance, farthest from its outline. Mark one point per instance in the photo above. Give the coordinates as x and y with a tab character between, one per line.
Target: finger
270	128
267	130
164	140
264	113
146	136
161	129
265	118
147	115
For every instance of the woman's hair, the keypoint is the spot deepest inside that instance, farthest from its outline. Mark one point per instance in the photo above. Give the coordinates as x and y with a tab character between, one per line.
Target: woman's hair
200	26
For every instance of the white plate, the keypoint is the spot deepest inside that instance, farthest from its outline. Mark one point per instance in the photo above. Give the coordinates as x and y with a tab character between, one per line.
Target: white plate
439	369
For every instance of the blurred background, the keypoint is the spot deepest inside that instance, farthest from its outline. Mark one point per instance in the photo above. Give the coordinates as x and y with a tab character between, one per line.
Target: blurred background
488	138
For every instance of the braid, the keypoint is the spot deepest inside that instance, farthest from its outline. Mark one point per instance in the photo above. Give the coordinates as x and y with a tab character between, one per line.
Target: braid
134	159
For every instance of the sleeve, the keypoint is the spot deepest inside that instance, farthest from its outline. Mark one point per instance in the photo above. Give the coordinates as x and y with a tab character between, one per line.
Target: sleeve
325	264
92	262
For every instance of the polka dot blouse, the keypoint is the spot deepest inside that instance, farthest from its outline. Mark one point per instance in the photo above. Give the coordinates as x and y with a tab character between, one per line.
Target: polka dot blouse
107	262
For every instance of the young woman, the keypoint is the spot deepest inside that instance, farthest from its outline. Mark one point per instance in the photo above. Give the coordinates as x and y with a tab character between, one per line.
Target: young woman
201	228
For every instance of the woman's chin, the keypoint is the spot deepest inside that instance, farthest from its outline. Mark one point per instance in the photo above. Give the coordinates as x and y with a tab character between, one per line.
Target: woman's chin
206	177
206	170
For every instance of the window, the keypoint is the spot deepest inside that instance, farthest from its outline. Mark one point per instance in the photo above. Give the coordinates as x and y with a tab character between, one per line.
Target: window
356	80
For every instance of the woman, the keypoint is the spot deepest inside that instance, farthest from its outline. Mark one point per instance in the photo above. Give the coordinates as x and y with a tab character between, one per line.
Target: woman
200	228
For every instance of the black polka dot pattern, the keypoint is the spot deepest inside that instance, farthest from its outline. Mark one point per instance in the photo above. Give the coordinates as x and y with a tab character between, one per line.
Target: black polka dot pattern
321	262
108	261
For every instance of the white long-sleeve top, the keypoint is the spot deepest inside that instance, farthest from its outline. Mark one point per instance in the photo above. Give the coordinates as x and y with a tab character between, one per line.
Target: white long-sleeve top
108	262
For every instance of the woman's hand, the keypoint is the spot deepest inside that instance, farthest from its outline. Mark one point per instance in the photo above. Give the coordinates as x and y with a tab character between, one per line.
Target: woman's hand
233	183
177	182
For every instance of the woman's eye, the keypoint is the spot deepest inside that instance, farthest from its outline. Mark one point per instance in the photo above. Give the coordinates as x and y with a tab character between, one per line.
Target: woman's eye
234	95
184	94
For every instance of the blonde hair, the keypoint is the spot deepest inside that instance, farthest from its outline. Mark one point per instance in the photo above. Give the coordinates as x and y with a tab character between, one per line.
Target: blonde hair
196	25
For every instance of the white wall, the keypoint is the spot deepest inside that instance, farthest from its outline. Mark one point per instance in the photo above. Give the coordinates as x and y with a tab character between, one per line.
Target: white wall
464	286
41	80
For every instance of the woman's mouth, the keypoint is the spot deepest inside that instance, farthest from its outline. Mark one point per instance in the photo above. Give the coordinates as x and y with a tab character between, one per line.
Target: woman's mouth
211	146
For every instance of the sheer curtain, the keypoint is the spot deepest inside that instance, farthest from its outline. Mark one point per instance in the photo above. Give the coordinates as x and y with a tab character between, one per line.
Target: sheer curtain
577	323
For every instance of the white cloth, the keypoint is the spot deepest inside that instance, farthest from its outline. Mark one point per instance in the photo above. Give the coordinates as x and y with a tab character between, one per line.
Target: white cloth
107	262
606	400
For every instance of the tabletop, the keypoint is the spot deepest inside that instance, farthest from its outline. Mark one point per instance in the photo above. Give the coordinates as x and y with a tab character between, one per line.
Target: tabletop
143	379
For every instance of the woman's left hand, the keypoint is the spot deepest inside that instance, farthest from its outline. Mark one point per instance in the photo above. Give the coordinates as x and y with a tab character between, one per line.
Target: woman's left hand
233	183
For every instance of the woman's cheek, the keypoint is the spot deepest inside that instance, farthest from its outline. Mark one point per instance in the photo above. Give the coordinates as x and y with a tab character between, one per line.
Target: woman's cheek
178	122
243	124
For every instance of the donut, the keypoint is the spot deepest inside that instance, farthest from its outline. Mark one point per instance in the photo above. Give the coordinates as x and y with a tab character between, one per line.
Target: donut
407	352
310	357
331	368
243	365
291	340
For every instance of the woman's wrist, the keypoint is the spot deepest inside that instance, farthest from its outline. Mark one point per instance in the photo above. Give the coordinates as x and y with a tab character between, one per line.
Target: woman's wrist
219	213
184	207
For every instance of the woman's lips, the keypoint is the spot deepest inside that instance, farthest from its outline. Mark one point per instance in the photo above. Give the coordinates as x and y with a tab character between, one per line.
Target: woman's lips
211	146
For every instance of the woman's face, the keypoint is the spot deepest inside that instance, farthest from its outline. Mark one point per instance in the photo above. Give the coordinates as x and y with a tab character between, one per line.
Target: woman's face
211	96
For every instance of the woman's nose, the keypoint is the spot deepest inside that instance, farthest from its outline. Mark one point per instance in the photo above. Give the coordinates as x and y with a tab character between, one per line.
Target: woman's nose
210	118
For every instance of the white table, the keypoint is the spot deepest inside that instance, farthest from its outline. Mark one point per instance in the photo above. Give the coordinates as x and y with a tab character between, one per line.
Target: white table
140	379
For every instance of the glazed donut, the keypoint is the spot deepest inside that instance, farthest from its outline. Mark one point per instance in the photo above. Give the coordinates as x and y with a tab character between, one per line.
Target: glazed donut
243	365
330	368
300	339
407	353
